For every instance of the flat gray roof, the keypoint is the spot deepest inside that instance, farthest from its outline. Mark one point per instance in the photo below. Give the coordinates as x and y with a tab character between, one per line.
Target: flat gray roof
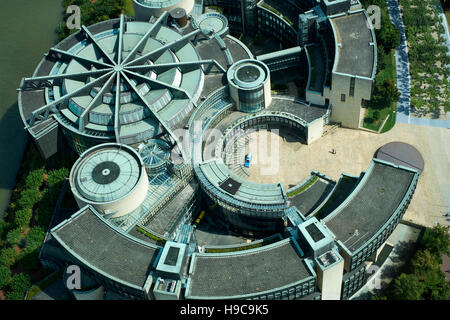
247	272
356	56
88	237
371	205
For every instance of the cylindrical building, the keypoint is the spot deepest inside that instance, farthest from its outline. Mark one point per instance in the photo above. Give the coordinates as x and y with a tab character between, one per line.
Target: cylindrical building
179	15
110	177
249	82
145	9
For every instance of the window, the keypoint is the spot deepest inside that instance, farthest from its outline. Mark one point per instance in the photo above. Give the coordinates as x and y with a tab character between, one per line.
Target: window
352	87
343	97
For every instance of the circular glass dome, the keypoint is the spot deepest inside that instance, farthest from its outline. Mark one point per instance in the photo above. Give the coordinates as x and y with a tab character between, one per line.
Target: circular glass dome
155	155
248	75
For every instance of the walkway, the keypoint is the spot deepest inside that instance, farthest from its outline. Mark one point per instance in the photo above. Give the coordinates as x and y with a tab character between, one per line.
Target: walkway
403	75
404	239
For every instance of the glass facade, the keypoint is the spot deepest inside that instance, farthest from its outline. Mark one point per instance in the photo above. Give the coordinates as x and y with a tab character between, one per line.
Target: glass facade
251	100
273	25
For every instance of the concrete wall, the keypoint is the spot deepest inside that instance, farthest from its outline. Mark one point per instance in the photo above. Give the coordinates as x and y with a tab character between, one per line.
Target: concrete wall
267	92
348	112
315	130
123	206
330	281
315	97
94	294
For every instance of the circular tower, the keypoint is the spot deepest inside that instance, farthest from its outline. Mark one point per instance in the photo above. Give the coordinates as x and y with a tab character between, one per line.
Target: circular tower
249	82
110	177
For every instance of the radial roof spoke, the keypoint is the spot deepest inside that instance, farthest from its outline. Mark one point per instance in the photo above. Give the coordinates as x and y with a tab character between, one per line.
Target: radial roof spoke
117	108
154	113
183	66
72	76
120	39
79	58
64	98
174	45
95	42
84	118
154	29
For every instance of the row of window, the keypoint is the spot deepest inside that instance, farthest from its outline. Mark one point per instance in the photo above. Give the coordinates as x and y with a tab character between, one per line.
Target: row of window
292	293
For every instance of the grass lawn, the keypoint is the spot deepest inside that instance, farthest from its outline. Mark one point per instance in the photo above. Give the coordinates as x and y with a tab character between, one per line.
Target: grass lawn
389	72
447	16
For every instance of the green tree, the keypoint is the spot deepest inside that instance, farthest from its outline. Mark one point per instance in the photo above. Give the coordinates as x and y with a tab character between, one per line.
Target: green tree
376	115
35	237
8	256
388	35
5	276
4	228
407	287
18	286
423	263
15	237
22	217
29	197
437	240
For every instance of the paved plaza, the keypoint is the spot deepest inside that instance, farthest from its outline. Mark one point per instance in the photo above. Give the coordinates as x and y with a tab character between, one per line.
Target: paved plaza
354	151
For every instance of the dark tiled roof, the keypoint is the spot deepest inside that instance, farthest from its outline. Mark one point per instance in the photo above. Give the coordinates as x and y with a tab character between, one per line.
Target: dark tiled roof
246	273
371	206
102	247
